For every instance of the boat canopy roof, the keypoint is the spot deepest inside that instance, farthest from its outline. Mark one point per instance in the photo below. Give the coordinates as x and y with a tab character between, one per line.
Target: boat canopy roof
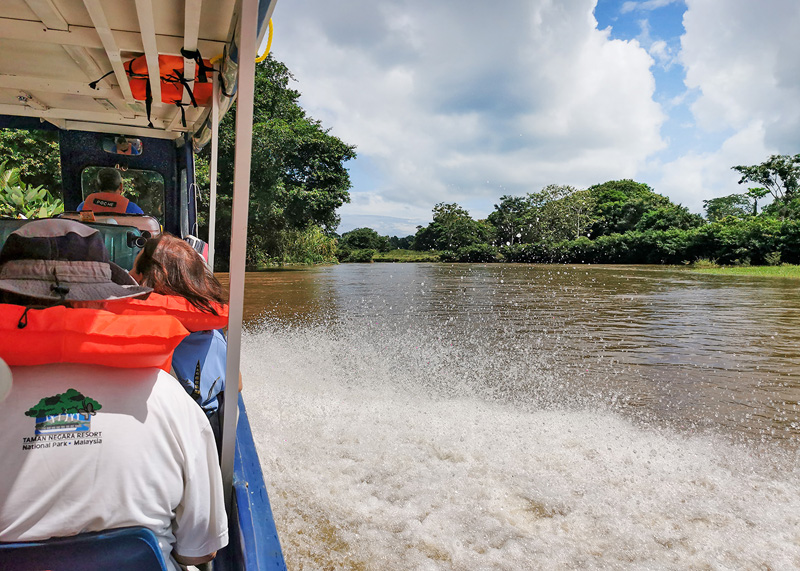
52	50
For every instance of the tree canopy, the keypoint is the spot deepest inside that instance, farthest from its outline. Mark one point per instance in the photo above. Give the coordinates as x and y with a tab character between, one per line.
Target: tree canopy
297	176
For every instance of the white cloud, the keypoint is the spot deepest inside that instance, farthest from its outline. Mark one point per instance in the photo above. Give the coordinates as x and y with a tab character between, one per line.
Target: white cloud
695	177
646	6
740	64
743	61
452	101
466	101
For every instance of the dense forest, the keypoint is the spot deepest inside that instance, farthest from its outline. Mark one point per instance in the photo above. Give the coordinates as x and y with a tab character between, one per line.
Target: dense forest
299	180
619	221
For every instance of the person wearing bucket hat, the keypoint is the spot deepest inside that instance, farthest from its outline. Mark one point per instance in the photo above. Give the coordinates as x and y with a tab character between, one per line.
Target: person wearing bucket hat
56	261
91	447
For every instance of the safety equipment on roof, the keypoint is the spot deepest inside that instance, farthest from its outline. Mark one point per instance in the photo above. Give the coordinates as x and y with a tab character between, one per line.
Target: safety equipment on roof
170	70
106	202
192	318
88	336
173	82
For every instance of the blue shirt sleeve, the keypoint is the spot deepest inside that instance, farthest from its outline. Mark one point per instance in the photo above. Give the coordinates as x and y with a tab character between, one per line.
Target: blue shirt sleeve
80	206
133	208
199	363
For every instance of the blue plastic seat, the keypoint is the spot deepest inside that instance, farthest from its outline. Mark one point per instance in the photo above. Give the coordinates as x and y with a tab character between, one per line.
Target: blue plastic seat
122	549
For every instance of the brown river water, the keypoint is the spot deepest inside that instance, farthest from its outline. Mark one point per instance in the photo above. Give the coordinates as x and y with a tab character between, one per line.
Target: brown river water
433	416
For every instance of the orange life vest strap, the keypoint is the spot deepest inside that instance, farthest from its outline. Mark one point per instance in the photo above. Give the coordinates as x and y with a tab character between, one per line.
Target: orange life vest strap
190	317
106	202
88	336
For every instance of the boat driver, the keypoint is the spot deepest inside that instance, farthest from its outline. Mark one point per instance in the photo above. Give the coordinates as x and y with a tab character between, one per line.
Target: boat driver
109	196
90	447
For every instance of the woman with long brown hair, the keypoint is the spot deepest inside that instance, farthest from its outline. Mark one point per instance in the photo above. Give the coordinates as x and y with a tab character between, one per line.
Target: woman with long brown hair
171	266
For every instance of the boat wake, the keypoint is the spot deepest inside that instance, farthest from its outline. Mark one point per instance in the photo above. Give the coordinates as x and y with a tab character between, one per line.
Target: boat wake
387	448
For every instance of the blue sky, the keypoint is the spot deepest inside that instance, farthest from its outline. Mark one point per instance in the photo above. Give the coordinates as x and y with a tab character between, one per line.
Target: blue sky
465	101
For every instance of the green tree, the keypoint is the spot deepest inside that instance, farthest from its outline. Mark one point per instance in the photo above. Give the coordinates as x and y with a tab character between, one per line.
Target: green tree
510	219
558	213
36	156
779	175
397	243
736	205
620	205
672	216
364	239
297	178
452	228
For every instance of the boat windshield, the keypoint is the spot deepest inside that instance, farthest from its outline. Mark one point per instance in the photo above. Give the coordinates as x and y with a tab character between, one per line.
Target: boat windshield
144	187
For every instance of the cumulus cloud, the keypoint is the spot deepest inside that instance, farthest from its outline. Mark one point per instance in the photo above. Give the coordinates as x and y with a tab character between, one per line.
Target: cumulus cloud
466	101
452	101
741	71
743	61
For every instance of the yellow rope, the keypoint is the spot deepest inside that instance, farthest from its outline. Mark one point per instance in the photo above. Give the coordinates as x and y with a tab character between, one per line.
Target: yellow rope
259	59
269	44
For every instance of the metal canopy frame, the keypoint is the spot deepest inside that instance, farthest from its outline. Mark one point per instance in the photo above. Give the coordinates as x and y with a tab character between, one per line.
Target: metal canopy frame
69	44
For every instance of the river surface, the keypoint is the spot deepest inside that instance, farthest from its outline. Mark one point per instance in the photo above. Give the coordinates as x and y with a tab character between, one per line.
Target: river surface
437	417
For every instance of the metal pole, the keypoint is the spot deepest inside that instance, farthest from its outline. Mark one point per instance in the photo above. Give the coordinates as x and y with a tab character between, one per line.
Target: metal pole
212	199
241	189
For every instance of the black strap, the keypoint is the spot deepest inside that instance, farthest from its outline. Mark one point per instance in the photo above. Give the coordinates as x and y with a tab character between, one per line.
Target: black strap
183	113
148	102
57	288
23	320
203	70
93	84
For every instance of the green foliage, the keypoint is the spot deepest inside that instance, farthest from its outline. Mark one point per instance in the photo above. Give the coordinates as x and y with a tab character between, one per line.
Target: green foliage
619	205
360	256
475	254
773	259
704	263
669	216
452	228
20	200
511	220
779	175
36	156
782	271
307	246
297	176
404	255
405	243
733	205
364	239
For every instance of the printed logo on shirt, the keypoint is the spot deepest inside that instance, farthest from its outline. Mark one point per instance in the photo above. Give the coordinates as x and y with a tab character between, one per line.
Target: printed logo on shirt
104	203
63	420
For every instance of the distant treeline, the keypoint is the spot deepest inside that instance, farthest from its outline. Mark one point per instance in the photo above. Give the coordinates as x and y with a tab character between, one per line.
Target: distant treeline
616	222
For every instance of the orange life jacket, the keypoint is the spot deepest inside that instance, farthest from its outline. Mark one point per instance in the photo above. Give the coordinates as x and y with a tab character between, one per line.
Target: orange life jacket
178	307
106	202
173	83
88	336
170	70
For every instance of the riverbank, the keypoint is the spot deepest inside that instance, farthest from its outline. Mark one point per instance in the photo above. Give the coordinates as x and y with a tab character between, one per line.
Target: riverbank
784	271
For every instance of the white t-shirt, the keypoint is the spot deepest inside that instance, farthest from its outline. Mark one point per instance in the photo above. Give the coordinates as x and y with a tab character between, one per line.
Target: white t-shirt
87	448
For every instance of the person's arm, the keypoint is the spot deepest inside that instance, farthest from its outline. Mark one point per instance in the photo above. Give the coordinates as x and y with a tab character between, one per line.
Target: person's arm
133	208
